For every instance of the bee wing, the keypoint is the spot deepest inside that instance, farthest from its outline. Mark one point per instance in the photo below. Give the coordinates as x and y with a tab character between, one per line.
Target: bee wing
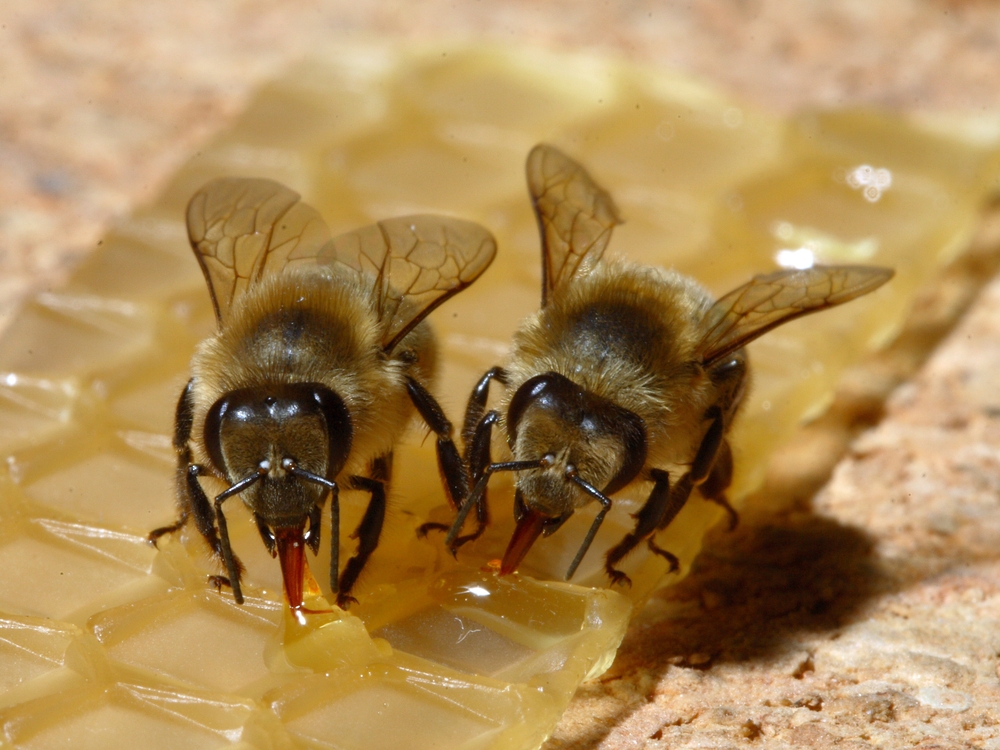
243	229
769	300
417	262
575	215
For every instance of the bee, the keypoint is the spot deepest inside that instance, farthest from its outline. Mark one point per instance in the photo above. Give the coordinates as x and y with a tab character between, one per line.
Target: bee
321	356
624	372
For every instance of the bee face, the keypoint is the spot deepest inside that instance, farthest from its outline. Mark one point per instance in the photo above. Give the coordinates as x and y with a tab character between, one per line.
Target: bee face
269	429
577	435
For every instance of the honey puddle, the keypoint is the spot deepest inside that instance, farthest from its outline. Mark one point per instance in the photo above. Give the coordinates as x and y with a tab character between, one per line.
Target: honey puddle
106	642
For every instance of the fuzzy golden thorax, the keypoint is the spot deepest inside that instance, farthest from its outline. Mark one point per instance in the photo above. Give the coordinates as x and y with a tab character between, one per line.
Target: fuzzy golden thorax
316	327
626	333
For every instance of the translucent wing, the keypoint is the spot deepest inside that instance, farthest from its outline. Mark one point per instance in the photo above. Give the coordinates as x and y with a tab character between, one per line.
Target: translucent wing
767	301
575	215
243	229
417	262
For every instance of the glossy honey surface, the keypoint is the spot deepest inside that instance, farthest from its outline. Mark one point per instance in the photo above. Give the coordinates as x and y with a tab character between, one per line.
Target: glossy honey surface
106	641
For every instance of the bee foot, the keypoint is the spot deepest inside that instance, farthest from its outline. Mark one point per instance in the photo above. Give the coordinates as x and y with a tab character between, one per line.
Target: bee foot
155	534
617	577
425	528
220	582
670	557
344	601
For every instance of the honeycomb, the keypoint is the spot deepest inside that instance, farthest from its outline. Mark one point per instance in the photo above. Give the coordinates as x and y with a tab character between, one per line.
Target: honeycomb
107	642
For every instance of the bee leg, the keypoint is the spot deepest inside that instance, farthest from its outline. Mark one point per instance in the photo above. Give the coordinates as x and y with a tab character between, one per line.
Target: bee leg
701	467
221	545
667	555
478	455
718	480
334	540
155	534
192	500
370	528
647	521
183	420
477	406
477	431
453	474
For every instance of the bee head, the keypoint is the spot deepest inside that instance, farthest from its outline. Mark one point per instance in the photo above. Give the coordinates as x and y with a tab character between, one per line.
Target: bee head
286	443
260	430
583	444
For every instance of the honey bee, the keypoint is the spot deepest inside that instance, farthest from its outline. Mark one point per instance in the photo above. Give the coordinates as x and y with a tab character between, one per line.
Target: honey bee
624	371
320	358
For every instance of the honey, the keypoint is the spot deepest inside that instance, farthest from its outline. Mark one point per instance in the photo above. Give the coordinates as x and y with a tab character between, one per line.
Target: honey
106	641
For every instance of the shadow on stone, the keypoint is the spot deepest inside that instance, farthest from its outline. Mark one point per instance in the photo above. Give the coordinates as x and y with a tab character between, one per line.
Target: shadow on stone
751	597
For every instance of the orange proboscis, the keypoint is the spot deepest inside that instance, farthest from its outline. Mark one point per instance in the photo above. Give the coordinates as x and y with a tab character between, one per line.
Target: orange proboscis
528	529
294	568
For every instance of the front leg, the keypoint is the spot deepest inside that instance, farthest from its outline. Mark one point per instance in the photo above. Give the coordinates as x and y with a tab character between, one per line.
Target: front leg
368	531
659	505
476	407
478	454
183	421
191	499
717	482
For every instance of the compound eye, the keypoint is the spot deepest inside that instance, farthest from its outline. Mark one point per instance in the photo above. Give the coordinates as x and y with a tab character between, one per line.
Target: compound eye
268	534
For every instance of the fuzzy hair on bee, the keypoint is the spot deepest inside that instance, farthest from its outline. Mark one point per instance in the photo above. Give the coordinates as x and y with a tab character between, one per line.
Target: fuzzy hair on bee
627	374
323	329
635	327
321	358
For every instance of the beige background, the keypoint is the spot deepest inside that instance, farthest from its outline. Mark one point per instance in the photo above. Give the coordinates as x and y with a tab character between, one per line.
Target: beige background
874	621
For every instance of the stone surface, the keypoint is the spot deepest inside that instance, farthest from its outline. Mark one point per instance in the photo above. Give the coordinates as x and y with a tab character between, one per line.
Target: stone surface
99	103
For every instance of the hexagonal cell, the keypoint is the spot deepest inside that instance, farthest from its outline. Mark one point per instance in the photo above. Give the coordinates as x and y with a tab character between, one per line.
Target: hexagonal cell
51	574
200	638
127	715
454	640
31	647
382	712
110	489
506	96
685	139
143	259
150	406
32	409
423	174
62	336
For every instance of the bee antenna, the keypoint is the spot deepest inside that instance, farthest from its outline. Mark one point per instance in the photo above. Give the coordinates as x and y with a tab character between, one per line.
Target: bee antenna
293	468
241	485
605	502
